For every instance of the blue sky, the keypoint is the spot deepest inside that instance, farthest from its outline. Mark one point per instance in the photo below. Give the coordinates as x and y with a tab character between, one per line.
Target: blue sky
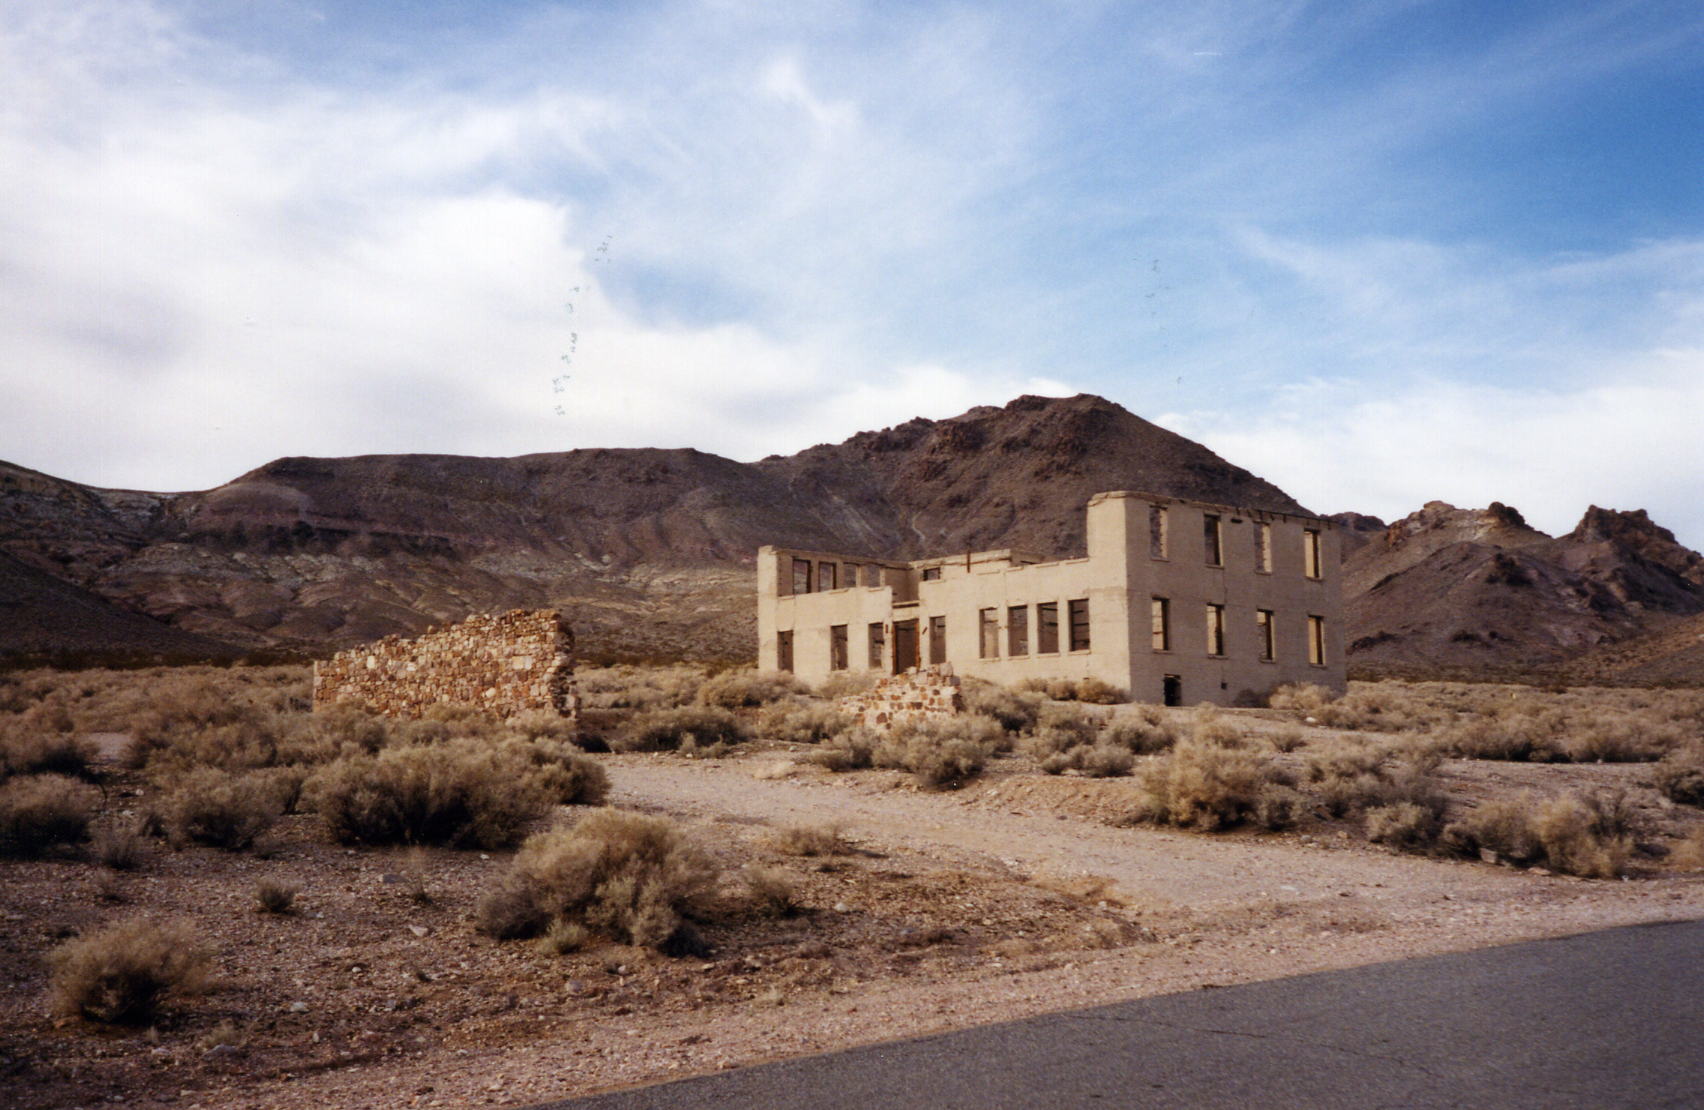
1379	253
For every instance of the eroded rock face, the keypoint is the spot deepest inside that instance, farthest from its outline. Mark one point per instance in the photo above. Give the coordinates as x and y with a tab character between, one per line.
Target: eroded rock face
504	663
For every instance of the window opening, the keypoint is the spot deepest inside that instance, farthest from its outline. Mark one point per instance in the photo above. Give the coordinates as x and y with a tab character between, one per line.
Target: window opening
1017	630
1157	531
904	646
1268	644
988	625
1263	548
837	647
1172	690
937	639
1047	627
1310	553
1215	629
801	576
1077	612
878	644
931	574
1316	641
1162	624
1210	533
826	576
784	651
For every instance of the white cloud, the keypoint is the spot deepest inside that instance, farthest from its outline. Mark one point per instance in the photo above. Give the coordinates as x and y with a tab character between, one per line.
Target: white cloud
1630	442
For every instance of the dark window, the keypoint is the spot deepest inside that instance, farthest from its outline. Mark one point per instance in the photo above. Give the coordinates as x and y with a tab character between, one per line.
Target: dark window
1017	630
837	647
1047	626
1263	625
1078	613
1210	535
1157	531
1316	641
937	639
1215	629
988	625
1263	547
904	646
801	576
826	575
1310	553
878	644
931	574
784	651
1162	624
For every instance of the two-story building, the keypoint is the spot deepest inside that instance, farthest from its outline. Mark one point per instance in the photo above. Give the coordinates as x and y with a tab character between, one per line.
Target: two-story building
1176	602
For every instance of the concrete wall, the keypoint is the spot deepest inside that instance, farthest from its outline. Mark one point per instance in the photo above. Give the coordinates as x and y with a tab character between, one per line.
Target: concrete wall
506	663
1119	578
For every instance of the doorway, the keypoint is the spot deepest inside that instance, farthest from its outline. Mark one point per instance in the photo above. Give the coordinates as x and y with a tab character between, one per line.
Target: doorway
1172	690
904	646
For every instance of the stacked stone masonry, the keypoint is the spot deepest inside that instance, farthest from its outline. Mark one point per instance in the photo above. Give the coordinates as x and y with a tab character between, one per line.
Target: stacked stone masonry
505	663
919	694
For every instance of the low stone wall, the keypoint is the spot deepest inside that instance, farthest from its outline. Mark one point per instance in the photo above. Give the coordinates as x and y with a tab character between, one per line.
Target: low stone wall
502	662
920	693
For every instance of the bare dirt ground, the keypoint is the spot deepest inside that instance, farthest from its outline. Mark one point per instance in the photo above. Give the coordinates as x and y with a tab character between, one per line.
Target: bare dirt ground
1011	897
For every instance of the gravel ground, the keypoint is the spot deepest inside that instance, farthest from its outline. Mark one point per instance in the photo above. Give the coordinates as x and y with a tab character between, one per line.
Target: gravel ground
1010	898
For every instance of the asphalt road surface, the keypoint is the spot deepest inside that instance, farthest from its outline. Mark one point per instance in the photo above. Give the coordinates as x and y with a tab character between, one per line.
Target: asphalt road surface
1610	1019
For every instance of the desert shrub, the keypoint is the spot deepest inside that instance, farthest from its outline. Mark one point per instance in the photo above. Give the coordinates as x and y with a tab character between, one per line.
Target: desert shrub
941	754
1105	761
842	684
771	892
119	844
1209	726
807	722
1207	787
41	812
1278	805
564	937
1588	835
461	794
1405	825
625	876
120	974
1305	699
1351	777
222	809
275	898
542	724
1286	739
854	750
810	840
29	747
689	729
568	774
1015	711
1483	738
626	686
1095	692
342	728
1140	732
737	689
1680	775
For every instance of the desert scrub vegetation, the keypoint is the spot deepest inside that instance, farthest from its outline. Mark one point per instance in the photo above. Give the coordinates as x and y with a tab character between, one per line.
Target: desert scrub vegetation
1680	775
39	813
1015	710
743	688
120	974
40	741
1351	777
801	722
457	794
1208	787
628	686
694	730
810	840
225	809
626	877
1591	835
846	683
1091	690
941	754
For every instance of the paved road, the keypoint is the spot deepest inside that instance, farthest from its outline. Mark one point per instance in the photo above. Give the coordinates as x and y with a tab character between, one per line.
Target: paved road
1610	1019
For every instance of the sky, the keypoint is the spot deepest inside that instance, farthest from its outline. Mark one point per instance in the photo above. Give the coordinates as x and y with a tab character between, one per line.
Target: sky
1380	253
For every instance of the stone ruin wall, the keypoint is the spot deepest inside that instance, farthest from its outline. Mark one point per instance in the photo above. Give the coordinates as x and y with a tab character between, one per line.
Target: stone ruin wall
919	694
505	663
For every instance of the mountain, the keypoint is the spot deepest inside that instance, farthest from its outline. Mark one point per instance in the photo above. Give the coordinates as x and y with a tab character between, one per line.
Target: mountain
649	551
1480	589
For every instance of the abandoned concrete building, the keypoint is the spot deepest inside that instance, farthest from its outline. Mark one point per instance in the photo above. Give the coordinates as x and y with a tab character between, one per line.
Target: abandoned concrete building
1177	602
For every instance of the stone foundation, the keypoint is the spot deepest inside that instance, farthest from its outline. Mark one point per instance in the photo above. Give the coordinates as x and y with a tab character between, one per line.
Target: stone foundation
919	694
505	663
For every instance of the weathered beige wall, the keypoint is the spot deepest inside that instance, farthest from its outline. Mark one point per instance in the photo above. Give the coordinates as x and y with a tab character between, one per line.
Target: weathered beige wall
503	662
1119	577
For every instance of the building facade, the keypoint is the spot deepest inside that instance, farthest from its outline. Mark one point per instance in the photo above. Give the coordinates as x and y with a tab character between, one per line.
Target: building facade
1177	602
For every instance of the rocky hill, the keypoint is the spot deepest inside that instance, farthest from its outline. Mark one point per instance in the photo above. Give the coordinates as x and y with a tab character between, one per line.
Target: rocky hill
650	551
1479	589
